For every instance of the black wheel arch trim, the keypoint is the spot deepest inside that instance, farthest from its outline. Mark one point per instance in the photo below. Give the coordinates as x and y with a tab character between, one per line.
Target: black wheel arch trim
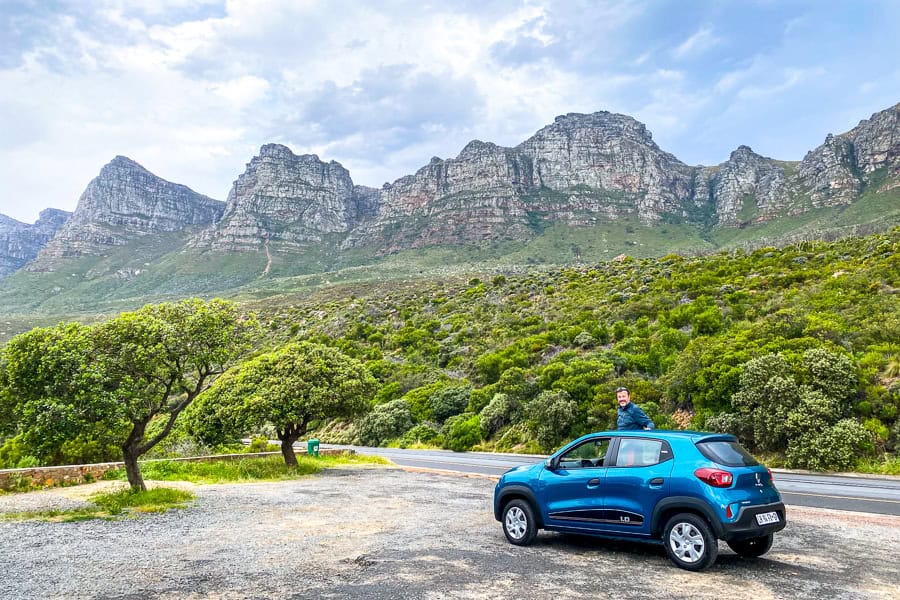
688	504
518	491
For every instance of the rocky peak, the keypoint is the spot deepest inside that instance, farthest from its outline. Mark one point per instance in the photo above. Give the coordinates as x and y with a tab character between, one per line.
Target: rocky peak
51	219
610	152
612	125
20	242
876	142
289	198
745	186
838	171
126	200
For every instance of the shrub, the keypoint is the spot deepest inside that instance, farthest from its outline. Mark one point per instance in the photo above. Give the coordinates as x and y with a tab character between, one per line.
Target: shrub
584	340
449	402
462	432
500	412
260	443
421	434
833	449
386	421
550	418
831	373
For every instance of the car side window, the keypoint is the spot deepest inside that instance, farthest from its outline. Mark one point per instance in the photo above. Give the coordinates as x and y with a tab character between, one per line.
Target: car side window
639	452
590	454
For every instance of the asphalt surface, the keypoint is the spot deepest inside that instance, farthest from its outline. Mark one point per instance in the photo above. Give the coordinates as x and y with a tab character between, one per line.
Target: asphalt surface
879	495
389	533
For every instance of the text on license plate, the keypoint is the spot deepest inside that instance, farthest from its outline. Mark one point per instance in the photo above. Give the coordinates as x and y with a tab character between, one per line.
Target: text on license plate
766	518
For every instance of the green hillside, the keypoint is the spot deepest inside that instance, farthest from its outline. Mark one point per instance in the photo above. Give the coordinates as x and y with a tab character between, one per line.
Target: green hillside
679	331
157	268
796	350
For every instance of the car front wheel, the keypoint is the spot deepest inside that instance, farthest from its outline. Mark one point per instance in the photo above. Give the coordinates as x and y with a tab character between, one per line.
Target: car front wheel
690	542
518	522
753	547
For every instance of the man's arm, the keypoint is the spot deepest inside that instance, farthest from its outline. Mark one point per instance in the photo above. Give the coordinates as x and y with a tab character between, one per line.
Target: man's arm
642	419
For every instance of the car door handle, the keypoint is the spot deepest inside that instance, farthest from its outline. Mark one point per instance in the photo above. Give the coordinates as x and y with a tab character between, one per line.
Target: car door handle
656	481
593	483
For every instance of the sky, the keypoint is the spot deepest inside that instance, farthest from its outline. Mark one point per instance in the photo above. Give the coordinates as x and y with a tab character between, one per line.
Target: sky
191	89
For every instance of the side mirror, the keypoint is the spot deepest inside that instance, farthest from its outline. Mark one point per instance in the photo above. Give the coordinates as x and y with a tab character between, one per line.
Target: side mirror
549	464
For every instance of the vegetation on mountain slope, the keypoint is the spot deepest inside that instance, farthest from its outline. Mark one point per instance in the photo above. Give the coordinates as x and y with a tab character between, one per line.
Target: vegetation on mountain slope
796	350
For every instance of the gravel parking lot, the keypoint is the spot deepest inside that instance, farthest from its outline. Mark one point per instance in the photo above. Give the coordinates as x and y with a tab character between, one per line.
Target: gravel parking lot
393	533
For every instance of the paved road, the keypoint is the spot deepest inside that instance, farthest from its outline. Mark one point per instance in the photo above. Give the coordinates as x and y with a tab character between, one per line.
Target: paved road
840	492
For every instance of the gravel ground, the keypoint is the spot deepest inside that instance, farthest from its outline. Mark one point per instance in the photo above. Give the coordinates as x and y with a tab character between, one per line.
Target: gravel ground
392	533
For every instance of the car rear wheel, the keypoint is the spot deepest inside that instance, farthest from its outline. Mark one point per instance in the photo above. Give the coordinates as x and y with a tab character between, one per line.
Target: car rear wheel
753	547
690	542
518	522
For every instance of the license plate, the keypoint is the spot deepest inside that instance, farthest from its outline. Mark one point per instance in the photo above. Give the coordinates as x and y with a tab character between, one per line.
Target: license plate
767	518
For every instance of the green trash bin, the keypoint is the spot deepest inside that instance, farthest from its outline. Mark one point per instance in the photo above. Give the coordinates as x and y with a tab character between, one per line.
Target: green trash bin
312	447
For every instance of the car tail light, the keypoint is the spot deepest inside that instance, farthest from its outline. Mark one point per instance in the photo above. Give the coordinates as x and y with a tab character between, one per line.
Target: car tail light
771	478
714	477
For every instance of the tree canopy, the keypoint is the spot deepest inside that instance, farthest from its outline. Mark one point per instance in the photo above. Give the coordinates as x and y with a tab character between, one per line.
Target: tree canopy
112	379
288	388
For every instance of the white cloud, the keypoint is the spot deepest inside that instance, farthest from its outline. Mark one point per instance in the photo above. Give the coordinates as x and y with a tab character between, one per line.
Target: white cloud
785	79
191	90
701	41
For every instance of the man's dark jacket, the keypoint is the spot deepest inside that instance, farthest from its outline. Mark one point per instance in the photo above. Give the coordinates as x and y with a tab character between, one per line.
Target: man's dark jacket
632	418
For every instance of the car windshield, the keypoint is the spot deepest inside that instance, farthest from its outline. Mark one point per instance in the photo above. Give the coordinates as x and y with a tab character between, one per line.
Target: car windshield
729	454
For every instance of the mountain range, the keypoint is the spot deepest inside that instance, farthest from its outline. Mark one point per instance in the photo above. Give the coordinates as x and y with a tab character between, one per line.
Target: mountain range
585	187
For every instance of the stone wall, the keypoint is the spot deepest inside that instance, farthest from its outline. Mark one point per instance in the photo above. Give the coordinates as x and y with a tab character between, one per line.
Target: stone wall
42	477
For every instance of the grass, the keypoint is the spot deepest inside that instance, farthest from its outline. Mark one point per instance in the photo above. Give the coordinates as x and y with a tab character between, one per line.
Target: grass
113	505
872	466
270	468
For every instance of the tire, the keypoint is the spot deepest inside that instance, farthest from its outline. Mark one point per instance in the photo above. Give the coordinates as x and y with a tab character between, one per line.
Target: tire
519	524
752	547
689	542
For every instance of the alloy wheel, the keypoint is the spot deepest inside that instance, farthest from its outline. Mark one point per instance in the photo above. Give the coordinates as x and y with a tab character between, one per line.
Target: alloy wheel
516	522
687	542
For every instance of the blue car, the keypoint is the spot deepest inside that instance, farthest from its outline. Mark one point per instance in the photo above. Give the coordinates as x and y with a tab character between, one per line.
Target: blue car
684	489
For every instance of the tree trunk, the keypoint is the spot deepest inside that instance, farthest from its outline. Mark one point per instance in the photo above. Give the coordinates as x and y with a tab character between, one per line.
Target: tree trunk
131	468
287	450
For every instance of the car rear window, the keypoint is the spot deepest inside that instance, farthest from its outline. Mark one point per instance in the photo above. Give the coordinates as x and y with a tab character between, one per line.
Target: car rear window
729	454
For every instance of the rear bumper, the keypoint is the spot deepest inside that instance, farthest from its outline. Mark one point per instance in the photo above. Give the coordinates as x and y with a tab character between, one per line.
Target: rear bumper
746	526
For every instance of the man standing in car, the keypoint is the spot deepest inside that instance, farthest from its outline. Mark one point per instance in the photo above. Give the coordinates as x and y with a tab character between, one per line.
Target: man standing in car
631	417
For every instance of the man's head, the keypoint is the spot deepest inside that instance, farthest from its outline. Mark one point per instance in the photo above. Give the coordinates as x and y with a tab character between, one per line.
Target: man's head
623	397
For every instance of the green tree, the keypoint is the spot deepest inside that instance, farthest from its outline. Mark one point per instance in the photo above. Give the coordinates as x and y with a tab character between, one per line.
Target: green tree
550	417
767	395
75	381
449	402
386	421
288	389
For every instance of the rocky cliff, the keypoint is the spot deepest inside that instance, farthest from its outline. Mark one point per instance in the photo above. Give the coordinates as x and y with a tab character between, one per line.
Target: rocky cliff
837	171
20	242
125	201
295	200
581	170
742	188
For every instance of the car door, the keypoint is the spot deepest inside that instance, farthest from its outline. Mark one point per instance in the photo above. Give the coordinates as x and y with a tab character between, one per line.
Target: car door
637	478
573	488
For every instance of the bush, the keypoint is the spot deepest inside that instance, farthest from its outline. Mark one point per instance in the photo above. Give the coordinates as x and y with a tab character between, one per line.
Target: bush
386	421
734	423
500	412
449	402
550	418
260	443
836	448
831	373
584	340
421	434
462	432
